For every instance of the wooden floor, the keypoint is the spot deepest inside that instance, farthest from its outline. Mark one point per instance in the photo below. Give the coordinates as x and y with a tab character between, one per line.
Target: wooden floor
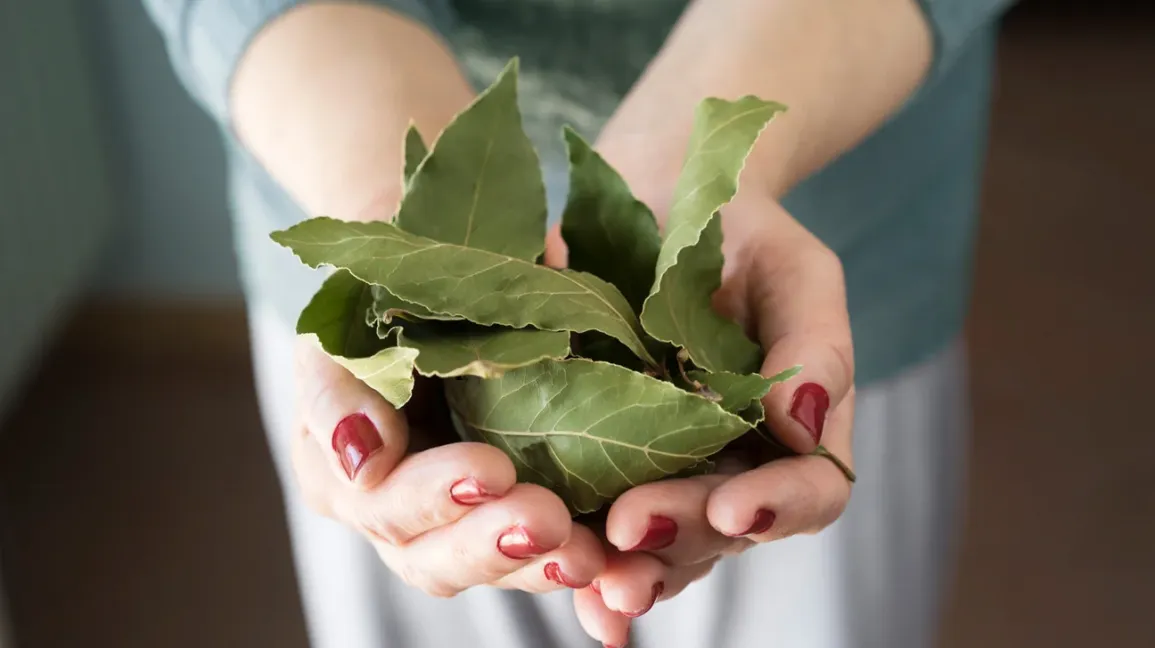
138	508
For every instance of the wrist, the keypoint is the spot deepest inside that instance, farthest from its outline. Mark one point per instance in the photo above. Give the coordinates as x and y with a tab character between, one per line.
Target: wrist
324	94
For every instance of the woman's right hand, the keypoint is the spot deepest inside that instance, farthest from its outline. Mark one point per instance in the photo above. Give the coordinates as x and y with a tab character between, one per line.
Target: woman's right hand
443	519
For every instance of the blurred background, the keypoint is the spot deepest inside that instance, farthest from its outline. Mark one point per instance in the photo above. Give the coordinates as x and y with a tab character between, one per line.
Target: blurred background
138	506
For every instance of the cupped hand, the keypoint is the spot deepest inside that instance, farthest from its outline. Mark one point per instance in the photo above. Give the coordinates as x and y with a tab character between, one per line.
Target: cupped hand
444	518
786	288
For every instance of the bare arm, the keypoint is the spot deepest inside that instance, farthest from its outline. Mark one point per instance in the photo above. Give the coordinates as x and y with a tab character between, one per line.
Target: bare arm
842	67
324	94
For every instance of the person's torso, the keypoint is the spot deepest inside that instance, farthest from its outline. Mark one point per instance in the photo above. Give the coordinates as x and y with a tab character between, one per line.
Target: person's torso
899	209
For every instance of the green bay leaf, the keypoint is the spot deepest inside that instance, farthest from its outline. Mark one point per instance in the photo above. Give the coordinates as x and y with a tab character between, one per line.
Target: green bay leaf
464	349
335	320
386	306
742	393
414	152
481	185
608	232
481	286
588	430
689	268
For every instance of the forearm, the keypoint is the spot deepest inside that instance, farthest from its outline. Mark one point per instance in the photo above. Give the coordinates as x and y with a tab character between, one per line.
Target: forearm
841	66
324	94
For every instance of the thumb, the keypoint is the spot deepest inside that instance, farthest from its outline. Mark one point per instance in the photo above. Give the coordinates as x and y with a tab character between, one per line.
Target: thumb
362	436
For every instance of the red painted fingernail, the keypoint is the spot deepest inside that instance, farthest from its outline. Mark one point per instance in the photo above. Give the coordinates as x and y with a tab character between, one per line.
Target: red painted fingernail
554	573
809	408
355	439
658	588
468	492
660	534
515	543
763	520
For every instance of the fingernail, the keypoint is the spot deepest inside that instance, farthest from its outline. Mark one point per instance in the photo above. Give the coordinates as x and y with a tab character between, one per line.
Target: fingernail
468	492
659	535
809	408
763	520
554	573
355	439
658	588
517	545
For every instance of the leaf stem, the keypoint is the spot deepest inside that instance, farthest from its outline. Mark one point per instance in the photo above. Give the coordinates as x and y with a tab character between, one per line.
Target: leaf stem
821	451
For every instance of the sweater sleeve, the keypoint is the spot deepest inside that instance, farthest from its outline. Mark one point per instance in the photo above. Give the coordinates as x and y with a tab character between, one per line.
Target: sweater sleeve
205	39
954	22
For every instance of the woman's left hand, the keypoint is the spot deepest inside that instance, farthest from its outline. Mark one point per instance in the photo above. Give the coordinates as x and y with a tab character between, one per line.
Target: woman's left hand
786	288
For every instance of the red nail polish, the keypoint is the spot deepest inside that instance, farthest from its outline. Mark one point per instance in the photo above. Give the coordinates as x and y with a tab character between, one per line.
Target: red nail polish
554	573
515	543
660	534
657	590
468	492
355	439
809	408
763	520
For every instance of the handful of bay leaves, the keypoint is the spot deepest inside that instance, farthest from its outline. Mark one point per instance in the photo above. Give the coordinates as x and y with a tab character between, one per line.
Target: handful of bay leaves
593	379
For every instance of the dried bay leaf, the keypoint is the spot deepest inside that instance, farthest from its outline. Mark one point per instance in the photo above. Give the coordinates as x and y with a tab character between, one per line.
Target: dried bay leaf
689	267
454	349
481	186
483	287
742	393
414	152
589	430
608	232
335	319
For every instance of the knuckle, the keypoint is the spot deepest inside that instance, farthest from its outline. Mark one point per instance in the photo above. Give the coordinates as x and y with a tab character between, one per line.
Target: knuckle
379	524
844	357
828	261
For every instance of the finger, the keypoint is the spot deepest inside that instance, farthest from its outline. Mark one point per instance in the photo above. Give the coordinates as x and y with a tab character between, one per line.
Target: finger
429	490
600	622
314	474
555	248
363	436
631	583
667	519
490	542
798	296
787	496
574	565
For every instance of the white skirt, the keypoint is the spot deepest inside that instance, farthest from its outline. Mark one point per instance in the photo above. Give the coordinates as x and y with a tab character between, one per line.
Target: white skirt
875	579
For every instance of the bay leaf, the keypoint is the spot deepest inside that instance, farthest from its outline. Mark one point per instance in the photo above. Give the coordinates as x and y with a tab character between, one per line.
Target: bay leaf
481	185
608	232
335	320
414	151
483	287
742	394
385	306
590	430
465	349
689	268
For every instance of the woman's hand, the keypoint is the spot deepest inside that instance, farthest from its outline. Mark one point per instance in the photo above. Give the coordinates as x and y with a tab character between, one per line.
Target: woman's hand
786	288
444	518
